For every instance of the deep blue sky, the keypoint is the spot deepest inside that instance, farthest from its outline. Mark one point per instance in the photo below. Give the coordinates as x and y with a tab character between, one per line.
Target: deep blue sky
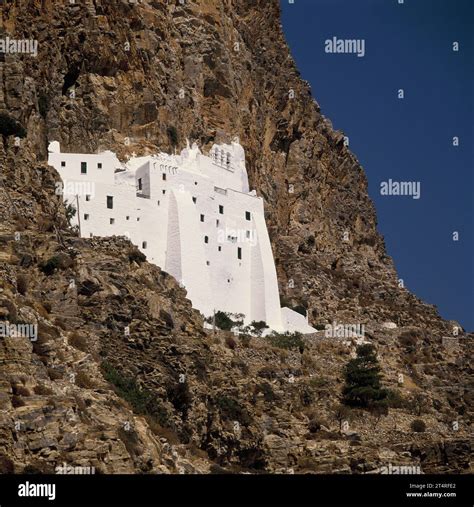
407	46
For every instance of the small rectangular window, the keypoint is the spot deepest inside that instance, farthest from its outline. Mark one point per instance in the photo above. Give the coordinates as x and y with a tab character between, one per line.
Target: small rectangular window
208	263
164	192
112	221
127	218
221	209
219	248
88	197
247	215
194	200
217	223
144	245
140	185
99	165
206	239
86	216
63	163
164	176
83	167
239	252
247	234
110	202
202	218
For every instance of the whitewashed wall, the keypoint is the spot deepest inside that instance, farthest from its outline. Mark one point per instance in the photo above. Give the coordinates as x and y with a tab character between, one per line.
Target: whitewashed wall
169	206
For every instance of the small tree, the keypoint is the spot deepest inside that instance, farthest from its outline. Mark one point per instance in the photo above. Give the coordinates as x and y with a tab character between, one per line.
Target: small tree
341	413
258	326
362	375
418	426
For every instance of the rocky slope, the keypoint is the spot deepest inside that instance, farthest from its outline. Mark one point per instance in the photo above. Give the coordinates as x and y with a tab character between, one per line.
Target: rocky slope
123	377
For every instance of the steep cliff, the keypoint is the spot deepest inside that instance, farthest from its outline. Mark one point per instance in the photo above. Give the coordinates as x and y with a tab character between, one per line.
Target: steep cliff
137	77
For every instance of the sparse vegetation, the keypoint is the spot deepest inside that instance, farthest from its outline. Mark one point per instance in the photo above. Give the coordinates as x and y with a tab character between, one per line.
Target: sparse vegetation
418	426
22	284
78	341
230	409
143	401
287	340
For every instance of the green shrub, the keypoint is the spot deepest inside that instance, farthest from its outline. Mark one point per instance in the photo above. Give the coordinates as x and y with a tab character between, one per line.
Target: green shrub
50	266
10	127
266	389
143	401
22	284
257	327
225	321
287	340
231	409
418	426
362	375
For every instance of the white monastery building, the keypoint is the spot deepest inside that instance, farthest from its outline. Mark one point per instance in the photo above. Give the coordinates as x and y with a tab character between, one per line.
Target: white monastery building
191	214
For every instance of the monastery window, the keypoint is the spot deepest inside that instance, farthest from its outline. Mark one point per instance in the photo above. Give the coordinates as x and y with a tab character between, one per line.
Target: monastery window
164	192
247	215
202	218
63	163
219	248
88	197
195	182
127	218
247	234
138	219
164	176
140	184
144	245
86	216
99	165
217	223
194	200
158	203
227	161
110	202
222	157
83	167
206	239
112	221
221	209
208	263
239	252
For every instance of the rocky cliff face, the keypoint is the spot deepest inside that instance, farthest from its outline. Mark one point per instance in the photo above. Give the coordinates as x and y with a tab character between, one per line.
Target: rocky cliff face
164	395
